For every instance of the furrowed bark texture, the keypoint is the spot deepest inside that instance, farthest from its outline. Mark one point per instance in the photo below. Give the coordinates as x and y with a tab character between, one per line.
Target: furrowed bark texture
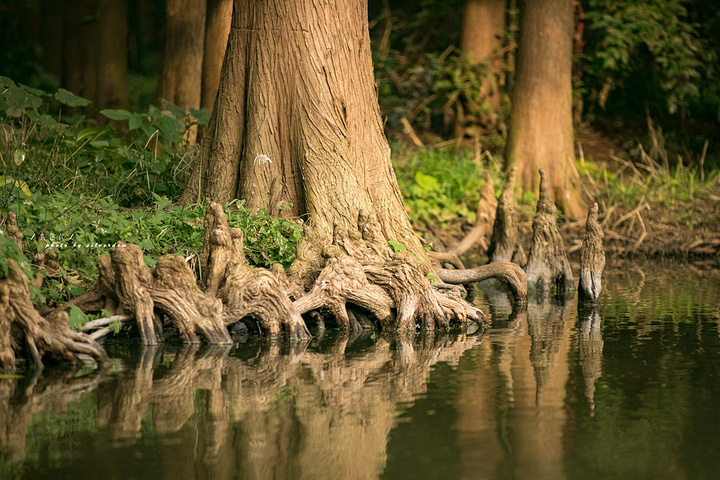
592	258
548	267
541	129
298	123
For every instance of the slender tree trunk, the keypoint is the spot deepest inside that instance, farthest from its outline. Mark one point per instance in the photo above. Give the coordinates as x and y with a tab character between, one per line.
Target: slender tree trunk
217	28
112	88
298	123
481	34
541	129
180	74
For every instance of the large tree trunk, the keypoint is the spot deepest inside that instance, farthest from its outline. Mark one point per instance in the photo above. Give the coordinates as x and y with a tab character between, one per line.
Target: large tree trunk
297	125
217	29
180	73
541	129
480	39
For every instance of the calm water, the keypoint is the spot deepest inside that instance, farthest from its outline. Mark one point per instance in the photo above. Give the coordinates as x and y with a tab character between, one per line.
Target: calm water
628	391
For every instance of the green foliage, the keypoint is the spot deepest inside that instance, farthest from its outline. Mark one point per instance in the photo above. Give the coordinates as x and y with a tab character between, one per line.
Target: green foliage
89	159
646	50
440	187
73	231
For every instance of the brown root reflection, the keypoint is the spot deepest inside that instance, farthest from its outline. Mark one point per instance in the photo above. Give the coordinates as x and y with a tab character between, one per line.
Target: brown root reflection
268	410
328	414
512	413
22	400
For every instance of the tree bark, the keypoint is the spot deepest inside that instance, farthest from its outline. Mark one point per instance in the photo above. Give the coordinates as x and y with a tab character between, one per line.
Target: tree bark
480	39
541	129
217	29
180	73
298	124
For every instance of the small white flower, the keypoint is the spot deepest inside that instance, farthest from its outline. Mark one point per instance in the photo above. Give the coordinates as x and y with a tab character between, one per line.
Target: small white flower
323	284
262	159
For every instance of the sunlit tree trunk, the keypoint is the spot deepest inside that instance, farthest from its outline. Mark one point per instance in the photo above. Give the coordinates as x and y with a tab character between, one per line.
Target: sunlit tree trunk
481	39
541	128
217	28
297	122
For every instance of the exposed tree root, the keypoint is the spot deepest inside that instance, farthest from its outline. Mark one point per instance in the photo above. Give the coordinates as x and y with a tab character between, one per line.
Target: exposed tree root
22	326
246	291
484	219
509	273
504	245
362	271
592	259
547	265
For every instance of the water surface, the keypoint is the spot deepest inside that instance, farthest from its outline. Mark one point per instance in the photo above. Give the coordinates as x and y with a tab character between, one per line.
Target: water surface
627	390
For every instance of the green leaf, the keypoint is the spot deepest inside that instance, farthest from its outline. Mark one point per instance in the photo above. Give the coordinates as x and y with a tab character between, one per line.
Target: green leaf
117	114
7	180
18	157
426	182
396	246
202	116
135	122
76	318
70	99
174	109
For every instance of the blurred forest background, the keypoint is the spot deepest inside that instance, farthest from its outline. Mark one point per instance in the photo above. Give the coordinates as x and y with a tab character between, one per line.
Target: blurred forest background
447	67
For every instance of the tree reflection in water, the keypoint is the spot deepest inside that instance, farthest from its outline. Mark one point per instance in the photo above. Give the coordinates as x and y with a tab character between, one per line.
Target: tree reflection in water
279	411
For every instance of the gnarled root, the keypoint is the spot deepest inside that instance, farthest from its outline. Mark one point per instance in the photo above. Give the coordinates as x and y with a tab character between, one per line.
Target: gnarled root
22	325
171	289
510	273
504	245
343	281
246	291
592	259
547	265
362	271
415	299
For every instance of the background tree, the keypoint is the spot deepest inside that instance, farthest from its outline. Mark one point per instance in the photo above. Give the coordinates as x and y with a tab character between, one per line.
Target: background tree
541	123
181	71
483	24
217	28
